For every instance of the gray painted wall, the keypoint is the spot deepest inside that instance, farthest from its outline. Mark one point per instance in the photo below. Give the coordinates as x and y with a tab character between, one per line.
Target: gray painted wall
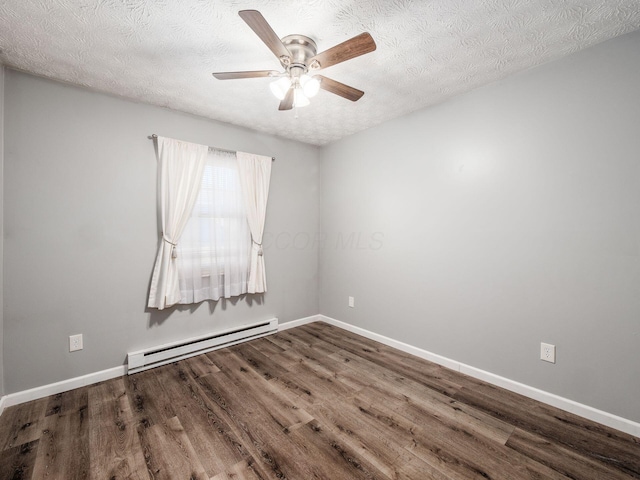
498	220
1	223
475	229
81	230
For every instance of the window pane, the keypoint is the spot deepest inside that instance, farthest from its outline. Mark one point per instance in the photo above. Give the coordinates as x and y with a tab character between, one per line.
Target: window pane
213	251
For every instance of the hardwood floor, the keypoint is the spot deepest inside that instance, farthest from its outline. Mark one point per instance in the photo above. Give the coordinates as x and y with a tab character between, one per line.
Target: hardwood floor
314	402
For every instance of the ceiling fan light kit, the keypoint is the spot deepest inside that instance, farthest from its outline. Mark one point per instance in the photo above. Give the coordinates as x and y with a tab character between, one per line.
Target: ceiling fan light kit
299	58
299	99
310	85
280	87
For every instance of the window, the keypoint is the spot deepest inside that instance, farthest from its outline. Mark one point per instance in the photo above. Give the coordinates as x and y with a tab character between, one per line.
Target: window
213	206
213	251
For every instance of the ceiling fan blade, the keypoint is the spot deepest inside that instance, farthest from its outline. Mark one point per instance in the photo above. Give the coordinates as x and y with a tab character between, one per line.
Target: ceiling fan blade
341	89
259	25
358	45
287	102
254	74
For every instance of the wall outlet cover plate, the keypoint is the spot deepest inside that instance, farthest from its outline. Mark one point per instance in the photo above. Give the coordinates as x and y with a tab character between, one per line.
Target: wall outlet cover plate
548	352
75	342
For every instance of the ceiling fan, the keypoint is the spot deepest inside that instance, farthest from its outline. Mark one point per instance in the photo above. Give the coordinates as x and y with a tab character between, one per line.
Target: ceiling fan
300	60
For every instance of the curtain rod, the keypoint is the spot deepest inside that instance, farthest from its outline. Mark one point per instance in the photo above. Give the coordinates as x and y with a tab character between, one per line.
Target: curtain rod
153	136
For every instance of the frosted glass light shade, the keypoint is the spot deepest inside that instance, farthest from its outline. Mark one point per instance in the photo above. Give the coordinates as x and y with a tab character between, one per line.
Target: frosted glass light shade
299	99
280	87
310	85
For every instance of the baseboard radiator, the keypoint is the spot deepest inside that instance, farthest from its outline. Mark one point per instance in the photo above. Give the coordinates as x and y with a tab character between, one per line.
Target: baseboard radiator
171	352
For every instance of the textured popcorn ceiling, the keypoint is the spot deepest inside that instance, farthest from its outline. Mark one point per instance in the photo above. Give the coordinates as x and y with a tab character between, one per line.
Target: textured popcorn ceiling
163	51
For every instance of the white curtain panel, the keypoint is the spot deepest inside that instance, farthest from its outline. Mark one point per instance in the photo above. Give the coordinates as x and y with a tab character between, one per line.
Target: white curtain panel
213	252
181	165
255	174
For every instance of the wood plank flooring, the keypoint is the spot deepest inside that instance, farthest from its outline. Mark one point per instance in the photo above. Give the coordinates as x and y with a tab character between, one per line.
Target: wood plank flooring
314	402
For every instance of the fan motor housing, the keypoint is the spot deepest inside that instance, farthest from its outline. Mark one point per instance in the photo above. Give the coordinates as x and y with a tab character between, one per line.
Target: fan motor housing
302	49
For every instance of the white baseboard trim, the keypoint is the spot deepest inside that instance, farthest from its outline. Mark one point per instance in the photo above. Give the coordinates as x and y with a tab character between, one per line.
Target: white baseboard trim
299	322
91	378
605	418
585	411
59	387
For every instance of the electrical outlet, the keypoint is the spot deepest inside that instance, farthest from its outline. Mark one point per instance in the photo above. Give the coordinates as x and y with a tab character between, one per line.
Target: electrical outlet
75	342
548	352
352	302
